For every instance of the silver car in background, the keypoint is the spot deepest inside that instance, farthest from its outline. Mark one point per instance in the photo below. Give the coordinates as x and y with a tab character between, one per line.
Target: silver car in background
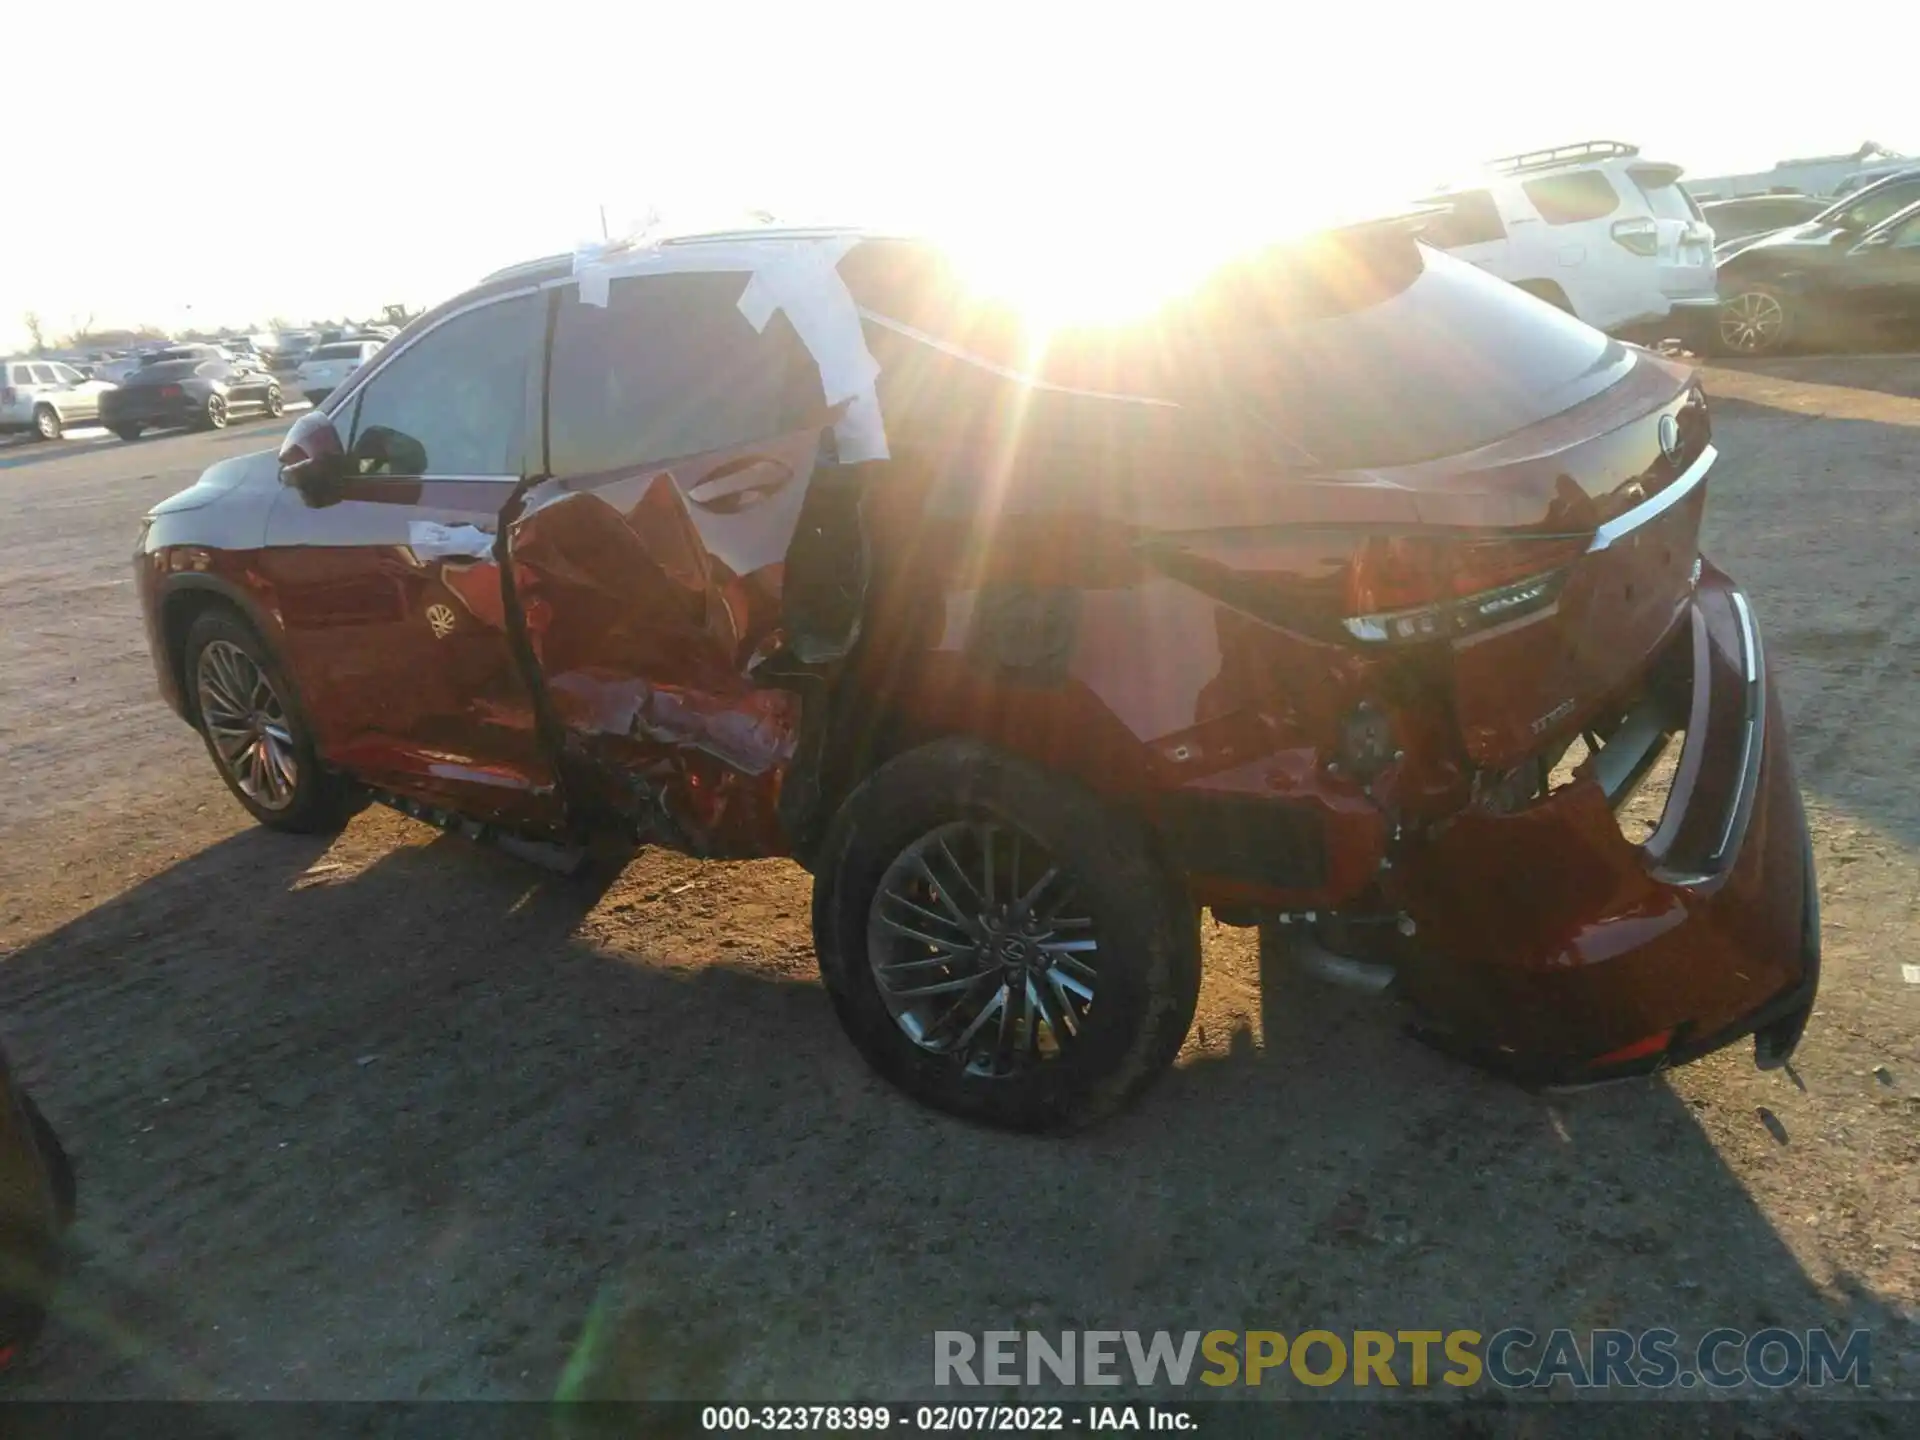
44	397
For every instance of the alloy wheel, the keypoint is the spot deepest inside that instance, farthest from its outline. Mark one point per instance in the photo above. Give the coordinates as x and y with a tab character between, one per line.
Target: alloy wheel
248	725
47	423
1751	322
982	949
276	405
216	411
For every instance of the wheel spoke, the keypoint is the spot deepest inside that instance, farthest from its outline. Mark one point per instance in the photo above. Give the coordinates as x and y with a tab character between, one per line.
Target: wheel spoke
923	914
997	1005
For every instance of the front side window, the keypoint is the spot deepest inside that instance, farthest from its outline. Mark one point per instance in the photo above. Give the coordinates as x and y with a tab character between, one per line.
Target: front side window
669	367
1572	198
67	375
454	402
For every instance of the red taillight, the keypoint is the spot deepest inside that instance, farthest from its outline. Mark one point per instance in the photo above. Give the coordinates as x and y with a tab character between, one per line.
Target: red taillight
1380	589
169	392
1642	237
1413	588
1638	1050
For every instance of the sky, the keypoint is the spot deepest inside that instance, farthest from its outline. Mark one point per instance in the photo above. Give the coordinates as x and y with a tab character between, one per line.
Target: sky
319	161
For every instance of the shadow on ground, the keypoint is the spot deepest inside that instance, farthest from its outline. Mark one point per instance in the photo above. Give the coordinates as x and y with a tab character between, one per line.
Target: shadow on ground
400	1132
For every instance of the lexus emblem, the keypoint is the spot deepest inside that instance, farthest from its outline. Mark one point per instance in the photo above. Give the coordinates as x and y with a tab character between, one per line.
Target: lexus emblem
440	617
1670	437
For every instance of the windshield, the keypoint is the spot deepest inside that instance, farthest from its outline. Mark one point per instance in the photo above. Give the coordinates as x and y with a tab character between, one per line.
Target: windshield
1877	202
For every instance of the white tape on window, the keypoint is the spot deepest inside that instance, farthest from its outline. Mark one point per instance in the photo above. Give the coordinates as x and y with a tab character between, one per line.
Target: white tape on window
798	276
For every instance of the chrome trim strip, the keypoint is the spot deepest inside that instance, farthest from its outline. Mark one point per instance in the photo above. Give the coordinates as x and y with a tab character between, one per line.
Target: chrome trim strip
1658	505
1754	732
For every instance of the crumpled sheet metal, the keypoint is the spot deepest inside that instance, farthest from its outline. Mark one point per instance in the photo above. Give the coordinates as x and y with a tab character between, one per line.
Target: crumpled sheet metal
798	276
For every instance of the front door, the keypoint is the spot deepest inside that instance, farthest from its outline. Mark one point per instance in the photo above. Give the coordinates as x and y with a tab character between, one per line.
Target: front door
651	565
389	594
1883	274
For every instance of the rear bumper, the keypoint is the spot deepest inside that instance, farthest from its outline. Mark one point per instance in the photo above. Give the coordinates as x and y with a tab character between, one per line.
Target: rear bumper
184	411
1553	949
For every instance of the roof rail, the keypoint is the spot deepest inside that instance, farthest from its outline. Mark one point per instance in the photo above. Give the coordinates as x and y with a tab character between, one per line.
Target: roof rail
1562	155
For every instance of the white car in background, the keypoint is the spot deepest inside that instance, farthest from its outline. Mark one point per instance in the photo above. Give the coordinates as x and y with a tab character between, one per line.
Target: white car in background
44	397
1594	229
329	365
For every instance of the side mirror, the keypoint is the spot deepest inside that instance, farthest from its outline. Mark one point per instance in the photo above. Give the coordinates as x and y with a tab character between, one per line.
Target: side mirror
312	459
386	451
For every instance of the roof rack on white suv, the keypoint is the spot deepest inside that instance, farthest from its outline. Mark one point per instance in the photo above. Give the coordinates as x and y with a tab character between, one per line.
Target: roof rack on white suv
1595	228
1562	155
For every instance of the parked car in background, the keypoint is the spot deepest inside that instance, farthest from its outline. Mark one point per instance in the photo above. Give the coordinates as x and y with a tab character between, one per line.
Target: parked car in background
1841	222
776	543
45	397
190	391
290	348
1593	229
1736	221
328	366
1802	286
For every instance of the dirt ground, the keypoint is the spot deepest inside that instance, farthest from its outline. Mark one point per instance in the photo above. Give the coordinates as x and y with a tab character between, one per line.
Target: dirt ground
396	1116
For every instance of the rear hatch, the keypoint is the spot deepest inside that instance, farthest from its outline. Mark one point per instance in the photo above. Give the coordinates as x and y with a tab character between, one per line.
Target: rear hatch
151	390
1681	241
1458	469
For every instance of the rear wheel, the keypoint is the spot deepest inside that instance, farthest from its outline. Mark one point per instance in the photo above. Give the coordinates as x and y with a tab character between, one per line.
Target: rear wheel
255	731
216	412
1754	320
128	432
999	943
46	422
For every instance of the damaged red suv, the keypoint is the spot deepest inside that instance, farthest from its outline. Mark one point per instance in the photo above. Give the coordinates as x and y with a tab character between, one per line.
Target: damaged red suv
1354	595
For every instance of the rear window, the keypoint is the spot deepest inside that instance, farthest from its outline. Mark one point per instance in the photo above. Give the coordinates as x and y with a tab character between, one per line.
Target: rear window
1341	354
336	352
1664	196
1446	363
1572	198
169	370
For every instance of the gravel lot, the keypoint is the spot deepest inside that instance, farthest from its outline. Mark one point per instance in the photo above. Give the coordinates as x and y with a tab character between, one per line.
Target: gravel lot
396	1117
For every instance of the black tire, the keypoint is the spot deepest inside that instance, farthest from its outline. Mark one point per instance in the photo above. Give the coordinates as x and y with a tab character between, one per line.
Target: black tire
60	1176
1146	972
215	415
1742	327
276	402
319	802
46	422
129	433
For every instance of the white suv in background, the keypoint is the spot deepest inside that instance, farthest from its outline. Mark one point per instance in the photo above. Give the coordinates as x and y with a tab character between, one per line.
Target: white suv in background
329	365
43	397
1593	229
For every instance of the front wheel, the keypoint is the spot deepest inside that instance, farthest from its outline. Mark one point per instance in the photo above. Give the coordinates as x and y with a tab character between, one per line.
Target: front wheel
1000	943
255	731
276	404
46	422
1754	320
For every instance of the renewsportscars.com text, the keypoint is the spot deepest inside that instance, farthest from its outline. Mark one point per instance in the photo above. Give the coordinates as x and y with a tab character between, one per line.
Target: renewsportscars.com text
1513	1358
